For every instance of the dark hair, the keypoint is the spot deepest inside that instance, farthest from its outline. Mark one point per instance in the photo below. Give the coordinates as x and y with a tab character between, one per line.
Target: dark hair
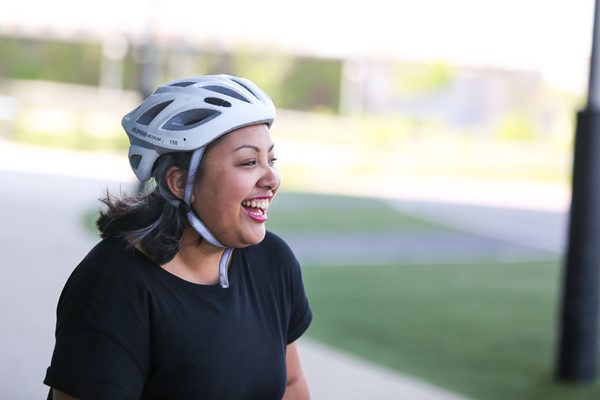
148	219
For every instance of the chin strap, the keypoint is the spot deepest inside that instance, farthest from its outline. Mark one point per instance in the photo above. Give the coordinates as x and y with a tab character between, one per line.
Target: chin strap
224	266
197	224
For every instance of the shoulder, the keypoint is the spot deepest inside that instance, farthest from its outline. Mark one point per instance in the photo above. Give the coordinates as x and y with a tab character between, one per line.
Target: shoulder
274	257
103	324
111	259
110	272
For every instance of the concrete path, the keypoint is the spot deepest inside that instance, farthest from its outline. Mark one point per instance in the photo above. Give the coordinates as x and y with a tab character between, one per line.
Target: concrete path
337	376
44	197
529	228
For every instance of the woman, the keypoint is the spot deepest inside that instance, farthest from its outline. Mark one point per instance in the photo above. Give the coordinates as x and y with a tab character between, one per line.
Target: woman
188	296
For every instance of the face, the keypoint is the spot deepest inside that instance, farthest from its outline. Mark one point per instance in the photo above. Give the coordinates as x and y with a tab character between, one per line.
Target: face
237	182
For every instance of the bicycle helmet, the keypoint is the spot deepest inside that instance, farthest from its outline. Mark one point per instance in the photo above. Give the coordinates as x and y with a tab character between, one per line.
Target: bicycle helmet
186	115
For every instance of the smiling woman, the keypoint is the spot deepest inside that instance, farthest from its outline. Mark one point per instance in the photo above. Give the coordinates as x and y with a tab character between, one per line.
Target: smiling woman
188	295
242	178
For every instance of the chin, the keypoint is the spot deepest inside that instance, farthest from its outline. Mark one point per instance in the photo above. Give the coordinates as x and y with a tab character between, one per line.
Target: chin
247	239
256	238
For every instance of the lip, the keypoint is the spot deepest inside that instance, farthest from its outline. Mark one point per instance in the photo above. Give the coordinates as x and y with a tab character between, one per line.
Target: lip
262	218
258	218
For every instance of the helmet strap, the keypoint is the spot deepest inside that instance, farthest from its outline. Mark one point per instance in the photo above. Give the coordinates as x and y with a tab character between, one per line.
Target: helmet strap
197	224
191	175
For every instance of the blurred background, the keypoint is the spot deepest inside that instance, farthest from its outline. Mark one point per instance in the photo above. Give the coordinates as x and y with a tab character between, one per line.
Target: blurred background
426	152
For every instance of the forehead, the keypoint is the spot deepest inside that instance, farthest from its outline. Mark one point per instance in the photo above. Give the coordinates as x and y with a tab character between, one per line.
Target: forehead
255	135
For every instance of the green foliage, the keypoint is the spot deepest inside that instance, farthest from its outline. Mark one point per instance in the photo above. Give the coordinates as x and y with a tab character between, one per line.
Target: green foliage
307	84
295	83
516	126
267	70
312	85
59	61
422	79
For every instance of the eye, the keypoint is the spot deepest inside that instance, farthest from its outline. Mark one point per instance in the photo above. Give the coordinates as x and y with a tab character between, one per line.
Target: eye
272	161
250	163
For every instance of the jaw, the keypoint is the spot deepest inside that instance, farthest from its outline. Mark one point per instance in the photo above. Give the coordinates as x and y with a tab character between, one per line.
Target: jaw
249	236
247	227
253	226
241	232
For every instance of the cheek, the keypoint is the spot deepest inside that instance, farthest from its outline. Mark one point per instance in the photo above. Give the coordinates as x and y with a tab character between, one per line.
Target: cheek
214	209
278	175
278	178
229	191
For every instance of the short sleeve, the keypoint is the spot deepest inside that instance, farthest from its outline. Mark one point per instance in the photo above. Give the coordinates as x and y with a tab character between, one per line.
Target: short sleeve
301	313
102	336
89	364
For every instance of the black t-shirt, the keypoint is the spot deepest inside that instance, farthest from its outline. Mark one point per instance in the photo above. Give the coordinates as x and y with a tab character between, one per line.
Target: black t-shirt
128	329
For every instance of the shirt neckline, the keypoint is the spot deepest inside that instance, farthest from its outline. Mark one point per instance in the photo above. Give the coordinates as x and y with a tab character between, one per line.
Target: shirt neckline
232	271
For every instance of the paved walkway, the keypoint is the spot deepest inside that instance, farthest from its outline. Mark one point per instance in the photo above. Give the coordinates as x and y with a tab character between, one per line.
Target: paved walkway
44	197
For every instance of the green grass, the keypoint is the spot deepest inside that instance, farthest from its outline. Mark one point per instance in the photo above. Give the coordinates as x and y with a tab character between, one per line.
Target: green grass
487	331
303	212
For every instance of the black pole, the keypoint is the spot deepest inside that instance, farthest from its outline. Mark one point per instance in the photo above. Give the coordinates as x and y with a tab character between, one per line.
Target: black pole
577	353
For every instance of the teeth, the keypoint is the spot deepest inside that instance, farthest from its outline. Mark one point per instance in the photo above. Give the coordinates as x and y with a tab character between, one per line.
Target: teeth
264	204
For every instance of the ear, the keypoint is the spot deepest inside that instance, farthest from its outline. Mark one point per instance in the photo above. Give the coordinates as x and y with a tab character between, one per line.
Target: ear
176	181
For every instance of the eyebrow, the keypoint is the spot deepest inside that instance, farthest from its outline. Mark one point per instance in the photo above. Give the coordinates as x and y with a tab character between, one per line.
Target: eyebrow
255	148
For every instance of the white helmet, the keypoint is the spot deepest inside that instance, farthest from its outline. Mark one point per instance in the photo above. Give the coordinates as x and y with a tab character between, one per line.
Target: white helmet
186	114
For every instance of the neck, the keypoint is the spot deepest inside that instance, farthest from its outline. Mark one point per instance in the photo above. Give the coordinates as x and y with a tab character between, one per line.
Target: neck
197	261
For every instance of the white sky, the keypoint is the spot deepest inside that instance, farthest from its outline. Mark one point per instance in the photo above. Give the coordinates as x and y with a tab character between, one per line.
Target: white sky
552	36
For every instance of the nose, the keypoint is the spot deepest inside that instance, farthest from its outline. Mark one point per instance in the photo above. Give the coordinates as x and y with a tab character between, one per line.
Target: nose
270	179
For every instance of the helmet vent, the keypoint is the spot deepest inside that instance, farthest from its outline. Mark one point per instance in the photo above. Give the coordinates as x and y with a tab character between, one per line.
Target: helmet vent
246	87
135	161
217	102
182	84
151	113
227	92
190	119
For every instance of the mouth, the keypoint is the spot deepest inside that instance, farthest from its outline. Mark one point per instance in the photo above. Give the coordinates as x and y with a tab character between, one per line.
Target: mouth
257	208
